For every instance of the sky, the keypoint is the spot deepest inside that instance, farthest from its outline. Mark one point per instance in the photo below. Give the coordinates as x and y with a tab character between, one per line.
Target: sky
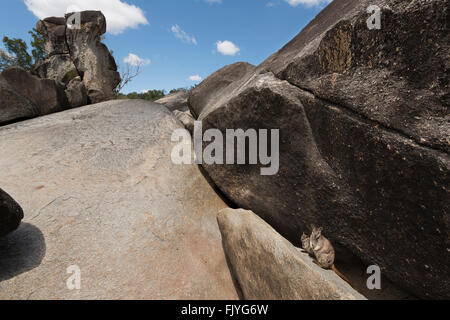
178	42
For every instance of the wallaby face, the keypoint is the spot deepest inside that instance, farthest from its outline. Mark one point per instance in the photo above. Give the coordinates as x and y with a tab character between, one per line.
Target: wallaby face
316	235
322	248
306	244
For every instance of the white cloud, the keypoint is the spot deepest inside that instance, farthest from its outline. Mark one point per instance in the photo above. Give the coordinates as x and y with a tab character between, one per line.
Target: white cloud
119	14
135	61
227	48
182	35
213	1
308	3
195	78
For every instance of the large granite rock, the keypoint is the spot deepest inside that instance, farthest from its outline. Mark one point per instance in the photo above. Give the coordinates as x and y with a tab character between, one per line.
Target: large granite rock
101	193
175	101
46	95
11	214
349	161
92	58
14	106
268	267
397	76
53	30
210	94
79	52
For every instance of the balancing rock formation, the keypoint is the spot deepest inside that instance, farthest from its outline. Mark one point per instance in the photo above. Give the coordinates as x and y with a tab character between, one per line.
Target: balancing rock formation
364	136
79	70
78	52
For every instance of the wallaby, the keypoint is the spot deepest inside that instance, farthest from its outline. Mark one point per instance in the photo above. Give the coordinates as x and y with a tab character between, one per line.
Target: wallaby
322	249
306	244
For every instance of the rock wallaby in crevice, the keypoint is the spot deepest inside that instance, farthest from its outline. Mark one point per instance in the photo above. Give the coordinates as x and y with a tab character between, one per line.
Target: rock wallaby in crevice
318	246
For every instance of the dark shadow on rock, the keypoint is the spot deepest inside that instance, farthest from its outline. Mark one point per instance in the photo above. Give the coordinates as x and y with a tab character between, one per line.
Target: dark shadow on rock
356	271
21	251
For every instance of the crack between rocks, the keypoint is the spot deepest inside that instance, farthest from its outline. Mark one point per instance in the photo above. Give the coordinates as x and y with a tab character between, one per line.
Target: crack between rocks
365	119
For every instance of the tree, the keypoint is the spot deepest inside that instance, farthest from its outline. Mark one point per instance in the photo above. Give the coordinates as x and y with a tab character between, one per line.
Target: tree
127	75
16	53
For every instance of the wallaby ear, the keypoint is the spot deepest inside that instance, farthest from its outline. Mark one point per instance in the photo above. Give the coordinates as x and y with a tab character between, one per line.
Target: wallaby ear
320	229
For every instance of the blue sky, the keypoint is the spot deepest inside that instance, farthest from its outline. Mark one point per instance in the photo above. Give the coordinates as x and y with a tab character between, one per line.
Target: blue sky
178	39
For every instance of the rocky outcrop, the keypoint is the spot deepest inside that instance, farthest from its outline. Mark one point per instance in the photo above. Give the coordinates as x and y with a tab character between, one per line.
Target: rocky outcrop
175	101
101	193
363	136
45	96
11	214
79	52
268	267
92	58
79	70
397	76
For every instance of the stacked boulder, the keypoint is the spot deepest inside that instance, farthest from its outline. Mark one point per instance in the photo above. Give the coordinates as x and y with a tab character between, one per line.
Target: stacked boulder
79	70
78	58
364	136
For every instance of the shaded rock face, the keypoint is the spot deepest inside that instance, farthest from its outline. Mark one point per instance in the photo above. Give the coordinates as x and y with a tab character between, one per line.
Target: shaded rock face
11	214
79	52
209	94
350	160
46	95
268	267
76	93
101	193
175	101
14	106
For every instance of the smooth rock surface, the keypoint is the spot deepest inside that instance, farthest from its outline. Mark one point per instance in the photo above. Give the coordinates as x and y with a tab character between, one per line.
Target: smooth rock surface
268	267
100	192
11	214
175	101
